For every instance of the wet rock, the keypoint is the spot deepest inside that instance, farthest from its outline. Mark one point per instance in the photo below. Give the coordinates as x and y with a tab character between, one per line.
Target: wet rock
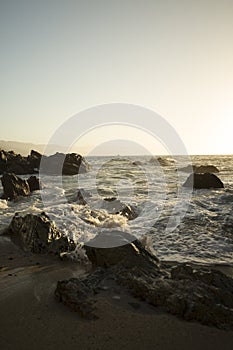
33	183
189	292
38	234
82	195
200	169
14	187
124	248
115	206
203	181
161	161
70	164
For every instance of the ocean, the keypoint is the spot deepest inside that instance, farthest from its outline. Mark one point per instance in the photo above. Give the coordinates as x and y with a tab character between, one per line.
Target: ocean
178	224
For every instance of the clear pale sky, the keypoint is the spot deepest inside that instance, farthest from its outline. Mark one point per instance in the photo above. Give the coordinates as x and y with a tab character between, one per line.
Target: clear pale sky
172	56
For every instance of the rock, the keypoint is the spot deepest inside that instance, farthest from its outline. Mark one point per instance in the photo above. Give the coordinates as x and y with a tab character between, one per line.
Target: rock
161	161
14	187
203	181
34	159
67	164
200	169
81	195
33	183
192	293
38	234
206	169
15	163
115	206
125	249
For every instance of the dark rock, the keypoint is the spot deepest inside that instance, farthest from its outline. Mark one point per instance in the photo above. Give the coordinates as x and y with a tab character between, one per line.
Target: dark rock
14	187
33	183
125	248
200	169
34	159
38	234
70	164
192	293
115	206
66	164
203	181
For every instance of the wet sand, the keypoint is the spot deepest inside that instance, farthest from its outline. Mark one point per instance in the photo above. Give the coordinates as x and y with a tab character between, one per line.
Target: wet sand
32	319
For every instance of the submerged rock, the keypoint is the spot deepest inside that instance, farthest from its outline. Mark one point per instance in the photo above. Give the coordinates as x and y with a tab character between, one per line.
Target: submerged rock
203	181
192	293
14	187
38	234
81	196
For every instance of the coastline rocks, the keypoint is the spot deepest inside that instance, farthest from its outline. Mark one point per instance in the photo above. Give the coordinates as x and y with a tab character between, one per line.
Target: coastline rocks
200	169
81	195
71	163
14	187
38	234
64	164
192	293
203	181
161	161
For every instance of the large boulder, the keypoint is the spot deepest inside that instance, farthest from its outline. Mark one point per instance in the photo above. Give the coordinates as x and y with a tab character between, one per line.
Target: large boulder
200	169
189	292
203	181
14	187
38	234
34	159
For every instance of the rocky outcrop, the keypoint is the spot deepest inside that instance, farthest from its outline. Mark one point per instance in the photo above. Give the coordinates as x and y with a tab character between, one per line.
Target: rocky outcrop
11	162
203	181
14	187
189	292
200	169
82	196
66	164
38	234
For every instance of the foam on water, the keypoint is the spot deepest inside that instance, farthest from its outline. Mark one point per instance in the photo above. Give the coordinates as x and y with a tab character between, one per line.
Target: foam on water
205	234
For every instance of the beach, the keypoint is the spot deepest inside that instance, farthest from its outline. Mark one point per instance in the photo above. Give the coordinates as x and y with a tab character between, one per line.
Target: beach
31	318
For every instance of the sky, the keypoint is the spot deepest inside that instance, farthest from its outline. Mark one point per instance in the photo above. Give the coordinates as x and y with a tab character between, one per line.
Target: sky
174	57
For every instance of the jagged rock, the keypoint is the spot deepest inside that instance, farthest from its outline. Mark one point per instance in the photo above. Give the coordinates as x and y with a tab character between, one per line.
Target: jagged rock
66	164
38	234
115	206
124	247
33	183
81	195
14	187
11	162
34	159
203	181
200	169
192	293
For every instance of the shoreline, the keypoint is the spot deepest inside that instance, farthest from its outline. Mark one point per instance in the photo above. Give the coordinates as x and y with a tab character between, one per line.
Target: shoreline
32	319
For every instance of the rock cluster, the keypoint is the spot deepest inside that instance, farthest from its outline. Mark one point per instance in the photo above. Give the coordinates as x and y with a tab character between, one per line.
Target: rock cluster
70	164
192	293
14	186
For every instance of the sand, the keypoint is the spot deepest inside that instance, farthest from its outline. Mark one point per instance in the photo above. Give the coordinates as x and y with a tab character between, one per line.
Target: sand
32	319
